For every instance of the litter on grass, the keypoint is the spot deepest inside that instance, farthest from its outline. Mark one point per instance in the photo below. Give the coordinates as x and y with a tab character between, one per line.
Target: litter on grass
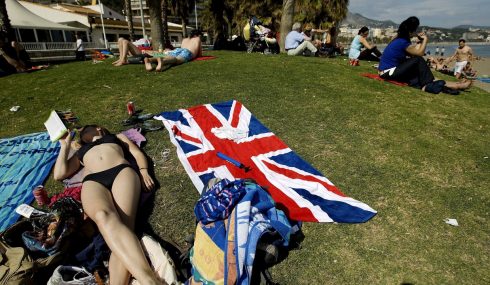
452	222
14	108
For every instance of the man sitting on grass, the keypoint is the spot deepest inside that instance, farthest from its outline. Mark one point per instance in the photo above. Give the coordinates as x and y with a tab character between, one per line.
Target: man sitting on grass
297	43
189	50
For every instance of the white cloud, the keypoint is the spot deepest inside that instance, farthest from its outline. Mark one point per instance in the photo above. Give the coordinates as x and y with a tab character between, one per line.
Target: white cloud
440	13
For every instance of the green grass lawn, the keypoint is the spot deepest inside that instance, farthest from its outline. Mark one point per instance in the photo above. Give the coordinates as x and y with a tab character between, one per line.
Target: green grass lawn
417	158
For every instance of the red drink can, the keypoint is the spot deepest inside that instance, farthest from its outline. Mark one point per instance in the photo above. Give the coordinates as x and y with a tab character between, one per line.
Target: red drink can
130	107
40	195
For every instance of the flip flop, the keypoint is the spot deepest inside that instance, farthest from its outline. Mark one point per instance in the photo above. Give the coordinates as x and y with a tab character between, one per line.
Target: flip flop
148	126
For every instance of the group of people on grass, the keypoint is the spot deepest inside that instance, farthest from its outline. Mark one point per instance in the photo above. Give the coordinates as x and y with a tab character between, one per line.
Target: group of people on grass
190	49
111	187
403	61
311	42
462	57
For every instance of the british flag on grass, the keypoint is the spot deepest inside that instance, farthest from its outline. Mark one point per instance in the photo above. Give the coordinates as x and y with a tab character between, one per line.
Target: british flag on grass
206	135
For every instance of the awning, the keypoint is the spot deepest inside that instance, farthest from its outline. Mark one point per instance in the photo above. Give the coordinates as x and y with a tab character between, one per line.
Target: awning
22	18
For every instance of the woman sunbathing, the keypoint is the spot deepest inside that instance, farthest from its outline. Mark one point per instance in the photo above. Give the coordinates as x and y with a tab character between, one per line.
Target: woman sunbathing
110	195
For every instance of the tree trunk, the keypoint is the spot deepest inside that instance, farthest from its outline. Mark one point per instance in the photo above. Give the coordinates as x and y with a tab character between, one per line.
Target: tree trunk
166	37
218	8
155	12
5	21
129	15
286	21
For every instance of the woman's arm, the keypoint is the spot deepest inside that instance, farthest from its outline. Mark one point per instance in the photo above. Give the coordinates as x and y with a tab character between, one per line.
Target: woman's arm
418	49
64	166
365	43
140	160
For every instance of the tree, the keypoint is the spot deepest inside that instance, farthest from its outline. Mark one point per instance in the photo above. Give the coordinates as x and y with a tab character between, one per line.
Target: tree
181	9
155	12
5	25
129	15
165	36
286	21
337	11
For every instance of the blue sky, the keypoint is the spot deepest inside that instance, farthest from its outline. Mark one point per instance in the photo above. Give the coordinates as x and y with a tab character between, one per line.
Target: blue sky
435	13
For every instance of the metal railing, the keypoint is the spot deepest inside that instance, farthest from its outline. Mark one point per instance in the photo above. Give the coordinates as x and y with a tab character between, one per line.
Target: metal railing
45	46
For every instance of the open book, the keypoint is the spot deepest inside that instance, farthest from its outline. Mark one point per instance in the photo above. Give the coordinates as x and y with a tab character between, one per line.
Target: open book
55	126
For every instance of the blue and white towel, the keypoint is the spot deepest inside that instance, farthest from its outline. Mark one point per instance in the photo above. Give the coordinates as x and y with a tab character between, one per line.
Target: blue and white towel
25	162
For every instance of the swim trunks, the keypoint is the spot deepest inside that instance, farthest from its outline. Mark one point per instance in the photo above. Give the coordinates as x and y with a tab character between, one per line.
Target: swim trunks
182	53
459	65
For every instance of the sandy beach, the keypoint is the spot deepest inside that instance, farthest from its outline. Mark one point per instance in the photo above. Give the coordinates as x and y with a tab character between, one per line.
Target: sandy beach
482	66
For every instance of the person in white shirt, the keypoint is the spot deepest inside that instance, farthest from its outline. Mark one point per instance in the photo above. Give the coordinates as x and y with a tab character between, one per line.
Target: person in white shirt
80	51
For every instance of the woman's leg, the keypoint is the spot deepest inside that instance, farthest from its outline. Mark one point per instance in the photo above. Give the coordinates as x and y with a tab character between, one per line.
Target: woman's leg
114	215
126	48
413	71
119	48
367	54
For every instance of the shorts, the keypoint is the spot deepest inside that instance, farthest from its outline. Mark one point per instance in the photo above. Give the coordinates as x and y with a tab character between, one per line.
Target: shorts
182	53
459	66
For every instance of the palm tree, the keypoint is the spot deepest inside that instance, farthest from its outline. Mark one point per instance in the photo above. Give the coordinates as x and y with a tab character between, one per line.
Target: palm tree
5	21
337	11
155	12
286	20
129	14
181	9
165	36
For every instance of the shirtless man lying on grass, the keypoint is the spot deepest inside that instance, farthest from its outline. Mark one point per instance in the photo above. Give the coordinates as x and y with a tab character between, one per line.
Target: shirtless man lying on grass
189	50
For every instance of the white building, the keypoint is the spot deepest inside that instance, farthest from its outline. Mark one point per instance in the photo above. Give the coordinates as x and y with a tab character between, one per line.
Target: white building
88	18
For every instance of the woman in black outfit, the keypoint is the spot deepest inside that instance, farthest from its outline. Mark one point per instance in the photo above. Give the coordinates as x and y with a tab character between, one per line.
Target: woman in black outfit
402	61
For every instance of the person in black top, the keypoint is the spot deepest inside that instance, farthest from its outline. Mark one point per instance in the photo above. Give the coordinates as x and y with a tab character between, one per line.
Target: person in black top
110	196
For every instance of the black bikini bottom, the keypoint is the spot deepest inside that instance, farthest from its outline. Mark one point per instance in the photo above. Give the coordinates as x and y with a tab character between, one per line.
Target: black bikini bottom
106	177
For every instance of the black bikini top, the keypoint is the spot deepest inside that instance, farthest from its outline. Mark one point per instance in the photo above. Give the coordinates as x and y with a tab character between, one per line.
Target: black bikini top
110	138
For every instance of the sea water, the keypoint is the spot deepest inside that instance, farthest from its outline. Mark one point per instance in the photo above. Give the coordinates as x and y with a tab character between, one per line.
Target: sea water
479	49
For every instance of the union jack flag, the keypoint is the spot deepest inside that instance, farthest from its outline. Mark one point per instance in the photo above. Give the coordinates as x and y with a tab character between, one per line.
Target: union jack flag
300	190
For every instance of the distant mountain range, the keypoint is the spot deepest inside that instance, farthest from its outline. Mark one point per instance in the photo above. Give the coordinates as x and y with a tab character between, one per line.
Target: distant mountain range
358	20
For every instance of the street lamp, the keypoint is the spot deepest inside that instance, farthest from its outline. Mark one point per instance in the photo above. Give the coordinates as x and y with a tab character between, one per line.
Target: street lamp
102	21
195	12
143	19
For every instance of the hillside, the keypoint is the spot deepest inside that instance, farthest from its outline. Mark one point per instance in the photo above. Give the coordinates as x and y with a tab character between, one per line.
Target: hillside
358	20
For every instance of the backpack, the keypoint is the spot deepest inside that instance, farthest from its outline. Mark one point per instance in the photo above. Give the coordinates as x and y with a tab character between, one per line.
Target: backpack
16	266
21	263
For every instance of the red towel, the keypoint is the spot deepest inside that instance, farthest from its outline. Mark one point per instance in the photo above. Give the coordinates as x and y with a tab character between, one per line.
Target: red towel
377	77
205	57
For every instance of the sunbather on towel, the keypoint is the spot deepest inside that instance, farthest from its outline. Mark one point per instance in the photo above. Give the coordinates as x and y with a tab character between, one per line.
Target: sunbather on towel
190	49
110	194
395	65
